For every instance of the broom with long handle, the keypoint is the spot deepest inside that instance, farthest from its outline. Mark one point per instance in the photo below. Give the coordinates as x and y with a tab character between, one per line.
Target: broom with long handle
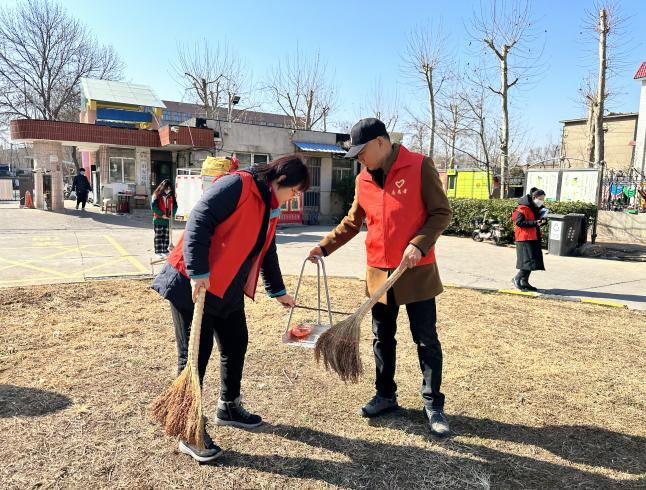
179	407
171	245
338	347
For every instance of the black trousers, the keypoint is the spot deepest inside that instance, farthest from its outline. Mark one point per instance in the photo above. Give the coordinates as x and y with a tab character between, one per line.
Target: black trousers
422	318
230	332
81	198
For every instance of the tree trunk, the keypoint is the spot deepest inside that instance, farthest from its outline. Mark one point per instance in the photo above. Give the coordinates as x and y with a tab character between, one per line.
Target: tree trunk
601	88
75	159
504	136
431	110
589	150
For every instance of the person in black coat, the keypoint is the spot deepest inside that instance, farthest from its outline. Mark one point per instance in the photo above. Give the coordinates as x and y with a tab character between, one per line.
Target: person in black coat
229	237
527	222
82	187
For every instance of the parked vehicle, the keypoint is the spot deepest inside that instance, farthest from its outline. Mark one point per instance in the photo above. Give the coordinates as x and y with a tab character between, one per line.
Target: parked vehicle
487	229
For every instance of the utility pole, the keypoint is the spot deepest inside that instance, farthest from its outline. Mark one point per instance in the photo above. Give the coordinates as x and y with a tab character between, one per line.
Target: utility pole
601	87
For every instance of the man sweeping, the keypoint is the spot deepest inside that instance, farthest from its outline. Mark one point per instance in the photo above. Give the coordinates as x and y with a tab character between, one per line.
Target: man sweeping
399	194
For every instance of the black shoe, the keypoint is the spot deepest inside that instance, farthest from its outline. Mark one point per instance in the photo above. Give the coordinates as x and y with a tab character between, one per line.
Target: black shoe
379	405
437	422
518	285
77	206
235	415
210	452
528	287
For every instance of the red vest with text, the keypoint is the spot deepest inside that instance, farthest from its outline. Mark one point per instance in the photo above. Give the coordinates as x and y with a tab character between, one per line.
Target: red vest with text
524	234
233	241
162	207
395	213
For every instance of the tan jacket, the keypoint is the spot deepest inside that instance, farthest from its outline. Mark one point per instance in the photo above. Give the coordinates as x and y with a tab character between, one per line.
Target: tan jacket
419	283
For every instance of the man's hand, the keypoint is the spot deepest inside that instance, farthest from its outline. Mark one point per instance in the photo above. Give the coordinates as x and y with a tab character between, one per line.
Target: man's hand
314	252
197	284
542	221
412	256
287	300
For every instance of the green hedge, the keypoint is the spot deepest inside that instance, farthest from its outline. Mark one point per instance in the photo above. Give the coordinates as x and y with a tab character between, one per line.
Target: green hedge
465	211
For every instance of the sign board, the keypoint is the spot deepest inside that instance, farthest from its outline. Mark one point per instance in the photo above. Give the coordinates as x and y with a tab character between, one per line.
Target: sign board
548	180
555	230
579	185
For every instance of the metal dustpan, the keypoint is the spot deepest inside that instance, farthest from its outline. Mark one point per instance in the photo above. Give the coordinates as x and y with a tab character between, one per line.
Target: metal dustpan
310	330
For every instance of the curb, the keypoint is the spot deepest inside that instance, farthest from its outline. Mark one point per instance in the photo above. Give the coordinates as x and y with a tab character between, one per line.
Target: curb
573	299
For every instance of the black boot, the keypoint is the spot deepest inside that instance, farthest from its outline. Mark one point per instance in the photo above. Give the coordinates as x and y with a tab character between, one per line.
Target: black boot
235	415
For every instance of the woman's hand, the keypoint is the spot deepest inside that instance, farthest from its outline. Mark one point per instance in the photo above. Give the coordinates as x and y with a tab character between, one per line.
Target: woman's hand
287	300
412	256
197	284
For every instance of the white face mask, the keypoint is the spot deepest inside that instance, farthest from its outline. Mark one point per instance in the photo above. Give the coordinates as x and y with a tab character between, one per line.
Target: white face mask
538	202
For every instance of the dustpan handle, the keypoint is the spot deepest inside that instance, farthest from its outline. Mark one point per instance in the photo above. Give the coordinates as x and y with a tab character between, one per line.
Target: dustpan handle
320	263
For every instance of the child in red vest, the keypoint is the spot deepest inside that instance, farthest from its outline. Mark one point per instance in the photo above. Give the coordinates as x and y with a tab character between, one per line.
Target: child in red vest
164	209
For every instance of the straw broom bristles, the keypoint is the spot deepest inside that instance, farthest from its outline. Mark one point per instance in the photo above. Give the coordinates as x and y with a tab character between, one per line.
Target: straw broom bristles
338	346
179	407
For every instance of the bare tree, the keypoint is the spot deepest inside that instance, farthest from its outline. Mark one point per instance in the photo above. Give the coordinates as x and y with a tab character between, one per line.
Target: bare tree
44	53
299	87
418	134
506	31
216	79
426	61
548	153
606	25
452	121
383	107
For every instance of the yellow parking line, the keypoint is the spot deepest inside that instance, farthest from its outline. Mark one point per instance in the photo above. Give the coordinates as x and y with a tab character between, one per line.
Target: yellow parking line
66	250
125	254
113	260
36	268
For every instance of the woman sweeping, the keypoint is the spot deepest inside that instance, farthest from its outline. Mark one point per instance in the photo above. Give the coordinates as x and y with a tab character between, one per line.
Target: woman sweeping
527	228
228	241
164	209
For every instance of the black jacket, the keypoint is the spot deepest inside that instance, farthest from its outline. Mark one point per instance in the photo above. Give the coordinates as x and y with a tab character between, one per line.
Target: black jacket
529	254
81	185
216	204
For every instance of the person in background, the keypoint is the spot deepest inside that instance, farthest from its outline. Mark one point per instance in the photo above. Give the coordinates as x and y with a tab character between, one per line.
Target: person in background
229	240
527	229
164	209
82	187
495	189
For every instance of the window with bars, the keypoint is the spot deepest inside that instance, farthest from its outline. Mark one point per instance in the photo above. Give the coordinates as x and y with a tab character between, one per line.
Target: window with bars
341	170
314	164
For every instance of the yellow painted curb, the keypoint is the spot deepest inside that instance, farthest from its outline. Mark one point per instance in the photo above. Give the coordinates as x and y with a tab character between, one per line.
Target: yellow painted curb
603	303
520	293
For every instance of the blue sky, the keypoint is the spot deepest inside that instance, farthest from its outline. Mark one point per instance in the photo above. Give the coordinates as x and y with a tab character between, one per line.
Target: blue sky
362	43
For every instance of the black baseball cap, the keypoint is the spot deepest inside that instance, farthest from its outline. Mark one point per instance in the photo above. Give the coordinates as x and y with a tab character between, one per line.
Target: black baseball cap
363	132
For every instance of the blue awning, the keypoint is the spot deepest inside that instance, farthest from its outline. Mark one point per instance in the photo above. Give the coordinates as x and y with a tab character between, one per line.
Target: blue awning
318	147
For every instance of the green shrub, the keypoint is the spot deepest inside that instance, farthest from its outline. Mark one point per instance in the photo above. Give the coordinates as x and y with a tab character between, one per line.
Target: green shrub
465	211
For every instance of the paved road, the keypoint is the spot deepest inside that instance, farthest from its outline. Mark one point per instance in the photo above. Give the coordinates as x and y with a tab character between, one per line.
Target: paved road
38	247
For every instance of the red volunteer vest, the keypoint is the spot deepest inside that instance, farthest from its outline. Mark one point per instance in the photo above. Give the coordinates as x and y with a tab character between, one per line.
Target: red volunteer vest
162	206
395	213
524	234
232	242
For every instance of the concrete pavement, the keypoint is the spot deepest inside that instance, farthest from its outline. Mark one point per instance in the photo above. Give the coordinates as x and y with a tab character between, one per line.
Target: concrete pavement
38	247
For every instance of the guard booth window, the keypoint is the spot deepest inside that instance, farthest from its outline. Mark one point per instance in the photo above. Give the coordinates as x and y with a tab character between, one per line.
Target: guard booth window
450	183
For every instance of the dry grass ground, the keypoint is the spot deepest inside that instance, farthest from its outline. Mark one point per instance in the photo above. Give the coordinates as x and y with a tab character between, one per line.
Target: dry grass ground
540	394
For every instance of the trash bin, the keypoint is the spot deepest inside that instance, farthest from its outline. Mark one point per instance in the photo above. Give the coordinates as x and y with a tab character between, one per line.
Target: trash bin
564	233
